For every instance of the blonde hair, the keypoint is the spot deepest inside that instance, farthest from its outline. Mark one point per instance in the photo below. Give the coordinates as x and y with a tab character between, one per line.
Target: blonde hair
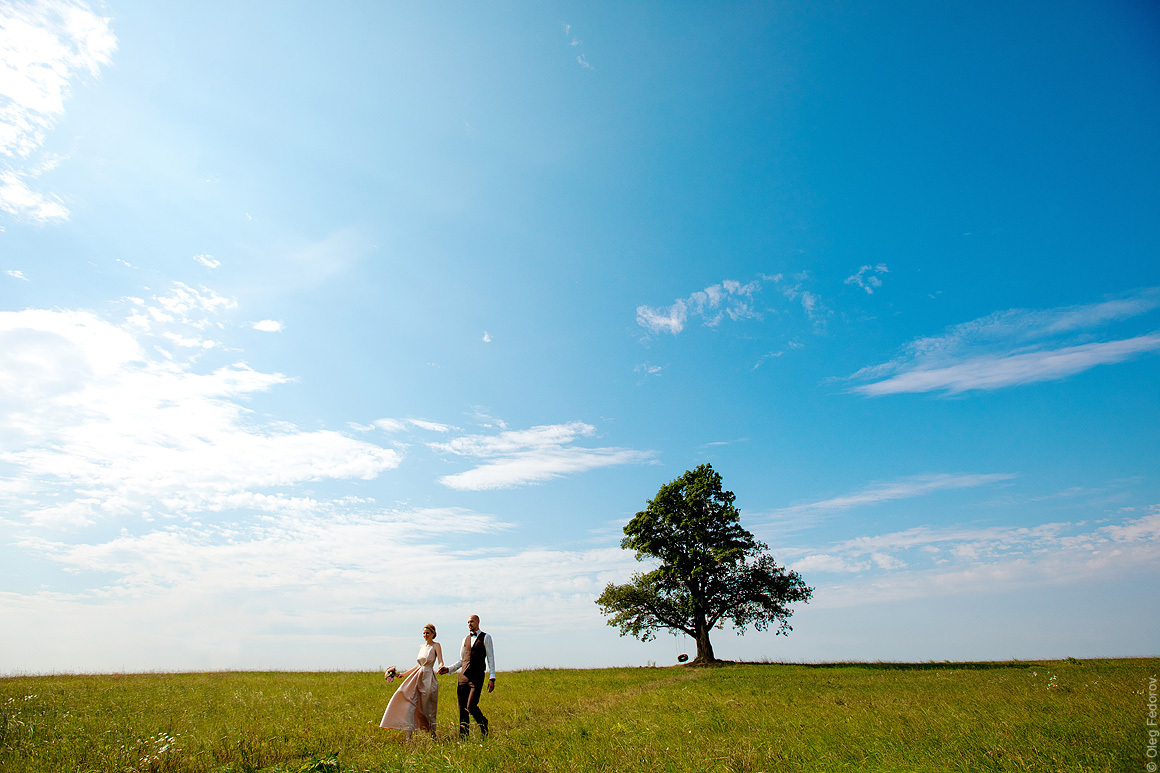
430	627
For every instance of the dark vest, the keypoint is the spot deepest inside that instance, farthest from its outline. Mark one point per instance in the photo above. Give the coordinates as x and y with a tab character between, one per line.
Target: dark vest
476	665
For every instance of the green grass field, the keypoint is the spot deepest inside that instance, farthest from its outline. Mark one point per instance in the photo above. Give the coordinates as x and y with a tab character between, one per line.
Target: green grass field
1011	716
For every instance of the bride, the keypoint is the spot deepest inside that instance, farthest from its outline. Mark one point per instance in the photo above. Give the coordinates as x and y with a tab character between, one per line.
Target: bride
416	703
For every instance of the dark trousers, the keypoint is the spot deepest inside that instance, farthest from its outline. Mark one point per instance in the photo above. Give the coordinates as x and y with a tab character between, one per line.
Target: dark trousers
468	693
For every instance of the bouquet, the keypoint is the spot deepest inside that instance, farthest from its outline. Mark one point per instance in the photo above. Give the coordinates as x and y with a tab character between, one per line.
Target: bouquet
391	673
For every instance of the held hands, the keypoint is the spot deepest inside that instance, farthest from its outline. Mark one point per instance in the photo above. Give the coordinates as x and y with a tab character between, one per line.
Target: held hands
491	684
444	670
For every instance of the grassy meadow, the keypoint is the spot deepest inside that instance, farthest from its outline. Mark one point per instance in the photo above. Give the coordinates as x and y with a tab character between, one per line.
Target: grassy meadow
1011	716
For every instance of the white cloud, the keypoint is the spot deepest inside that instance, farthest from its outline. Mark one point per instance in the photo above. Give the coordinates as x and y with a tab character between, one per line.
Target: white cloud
660	321
317	585
188	342
1014	347
520	457
906	488
867	277
195	307
16	274
97	425
46	45
713	304
269	326
401	425
484	419
768	356
887	561
207	260
526	468
16	198
822	562
181	317
486	337
995	372
955	560
431	426
308	540
513	441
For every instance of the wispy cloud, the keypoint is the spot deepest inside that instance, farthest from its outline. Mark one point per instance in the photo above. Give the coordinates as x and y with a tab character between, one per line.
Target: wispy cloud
16	274
207	260
483	418
327	584
46	45
868	277
931	561
575	42
314	263
521	457
729	299
486	337
17	199
307	538
269	326
995	372
715	443
906	488
1013	347
185	315
402	425
768	356
811	303
431	426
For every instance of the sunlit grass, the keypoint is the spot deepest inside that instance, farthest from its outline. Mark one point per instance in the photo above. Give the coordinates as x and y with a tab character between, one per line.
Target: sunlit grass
1043	716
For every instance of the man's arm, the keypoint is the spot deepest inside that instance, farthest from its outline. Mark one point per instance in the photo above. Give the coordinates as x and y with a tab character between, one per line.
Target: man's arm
490	656
457	665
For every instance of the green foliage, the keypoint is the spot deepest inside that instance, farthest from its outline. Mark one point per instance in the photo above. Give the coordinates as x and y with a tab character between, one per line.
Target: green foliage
712	570
875	717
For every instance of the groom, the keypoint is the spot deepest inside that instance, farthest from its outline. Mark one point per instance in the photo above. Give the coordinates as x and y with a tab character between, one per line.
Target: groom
476	648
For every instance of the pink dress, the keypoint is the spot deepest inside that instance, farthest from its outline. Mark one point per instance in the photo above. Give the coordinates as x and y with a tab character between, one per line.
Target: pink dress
415	703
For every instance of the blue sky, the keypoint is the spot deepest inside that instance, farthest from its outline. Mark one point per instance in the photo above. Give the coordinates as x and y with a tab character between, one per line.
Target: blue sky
319	325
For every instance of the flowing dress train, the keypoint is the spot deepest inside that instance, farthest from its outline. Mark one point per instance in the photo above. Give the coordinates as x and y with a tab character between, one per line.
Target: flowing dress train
415	704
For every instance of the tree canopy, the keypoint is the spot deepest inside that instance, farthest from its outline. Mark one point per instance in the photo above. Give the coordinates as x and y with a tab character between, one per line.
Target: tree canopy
712	570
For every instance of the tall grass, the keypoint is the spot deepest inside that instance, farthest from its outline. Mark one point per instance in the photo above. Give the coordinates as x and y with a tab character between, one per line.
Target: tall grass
1015	716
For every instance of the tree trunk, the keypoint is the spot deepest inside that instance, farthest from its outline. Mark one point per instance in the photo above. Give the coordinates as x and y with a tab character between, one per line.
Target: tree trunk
704	646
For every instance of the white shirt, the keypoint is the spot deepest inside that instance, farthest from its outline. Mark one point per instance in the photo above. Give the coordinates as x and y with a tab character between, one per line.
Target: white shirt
490	655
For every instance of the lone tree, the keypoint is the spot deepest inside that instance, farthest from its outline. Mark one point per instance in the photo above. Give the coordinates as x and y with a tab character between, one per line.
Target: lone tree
712	569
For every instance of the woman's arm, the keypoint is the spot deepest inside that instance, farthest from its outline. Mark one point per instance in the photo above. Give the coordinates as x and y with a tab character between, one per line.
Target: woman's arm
439	653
